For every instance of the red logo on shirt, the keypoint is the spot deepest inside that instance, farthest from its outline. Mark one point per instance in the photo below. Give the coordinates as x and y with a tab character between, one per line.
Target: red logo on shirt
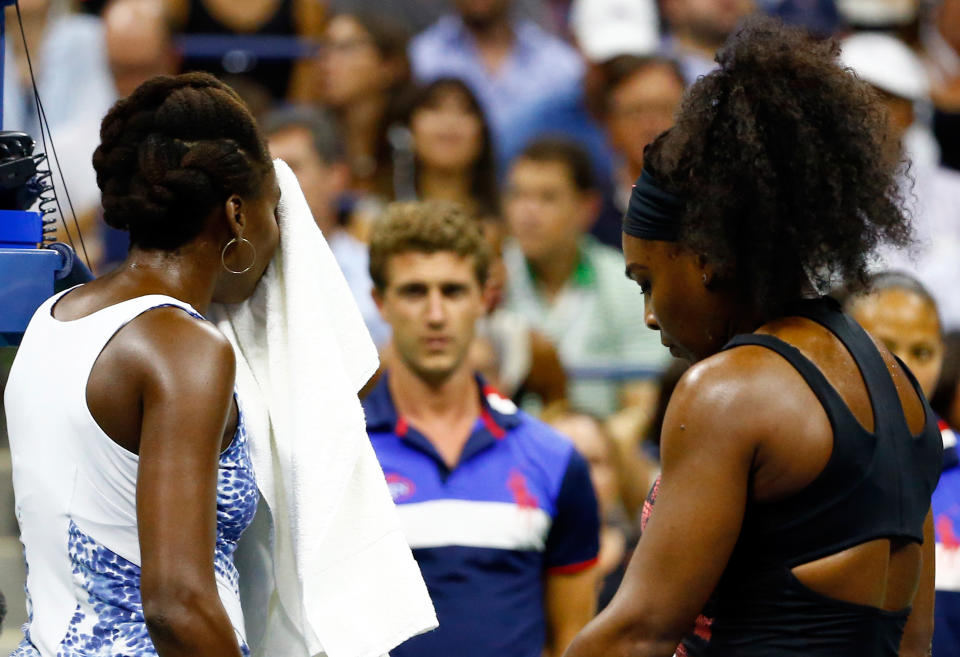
946	533
517	484
400	488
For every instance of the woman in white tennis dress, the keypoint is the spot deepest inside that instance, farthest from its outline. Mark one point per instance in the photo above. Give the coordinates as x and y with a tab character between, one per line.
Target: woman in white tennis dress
131	468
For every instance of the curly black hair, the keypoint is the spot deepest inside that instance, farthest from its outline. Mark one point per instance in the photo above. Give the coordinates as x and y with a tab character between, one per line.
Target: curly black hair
171	152
782	157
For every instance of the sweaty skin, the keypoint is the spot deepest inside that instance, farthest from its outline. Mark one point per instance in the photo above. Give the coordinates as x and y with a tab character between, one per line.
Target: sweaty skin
162	388
743	427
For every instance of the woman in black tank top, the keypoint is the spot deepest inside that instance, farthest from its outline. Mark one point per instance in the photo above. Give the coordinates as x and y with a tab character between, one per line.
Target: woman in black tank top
799	455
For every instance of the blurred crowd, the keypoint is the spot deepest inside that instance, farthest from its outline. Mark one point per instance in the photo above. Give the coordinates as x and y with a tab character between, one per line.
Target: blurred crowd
531	114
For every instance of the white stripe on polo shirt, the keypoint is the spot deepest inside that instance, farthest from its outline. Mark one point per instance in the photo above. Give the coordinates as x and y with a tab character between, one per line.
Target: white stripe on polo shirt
948	568
501	525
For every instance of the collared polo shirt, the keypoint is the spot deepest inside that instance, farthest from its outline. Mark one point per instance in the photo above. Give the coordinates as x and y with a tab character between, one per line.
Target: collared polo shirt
519	505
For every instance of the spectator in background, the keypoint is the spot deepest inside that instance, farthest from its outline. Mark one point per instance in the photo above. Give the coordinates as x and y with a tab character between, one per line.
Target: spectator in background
258	22
308	140
931	192
452	149
418	15
137	39
942	43
946	398
638	100
512	65
819	17
363	68
602	30
568	285
498	508
139	44
65	48
520	361
902	314
697	29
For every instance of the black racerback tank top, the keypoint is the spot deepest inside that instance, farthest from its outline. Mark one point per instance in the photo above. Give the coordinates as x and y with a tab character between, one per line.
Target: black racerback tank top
875	485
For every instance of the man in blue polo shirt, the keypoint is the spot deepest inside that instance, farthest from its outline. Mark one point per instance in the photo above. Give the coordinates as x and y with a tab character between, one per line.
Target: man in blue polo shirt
498	508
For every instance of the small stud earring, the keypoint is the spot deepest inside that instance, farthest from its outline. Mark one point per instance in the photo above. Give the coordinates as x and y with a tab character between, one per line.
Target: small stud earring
704	279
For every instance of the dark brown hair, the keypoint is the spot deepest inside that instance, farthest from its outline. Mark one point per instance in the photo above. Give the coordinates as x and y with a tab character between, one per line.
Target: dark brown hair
566	152
389	36
390	39
483	172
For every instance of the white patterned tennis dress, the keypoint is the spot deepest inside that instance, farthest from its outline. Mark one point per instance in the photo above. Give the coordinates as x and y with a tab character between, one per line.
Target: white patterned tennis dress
76	496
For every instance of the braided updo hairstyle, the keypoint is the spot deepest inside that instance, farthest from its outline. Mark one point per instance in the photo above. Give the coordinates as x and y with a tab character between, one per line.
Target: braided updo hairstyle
171	152
780	155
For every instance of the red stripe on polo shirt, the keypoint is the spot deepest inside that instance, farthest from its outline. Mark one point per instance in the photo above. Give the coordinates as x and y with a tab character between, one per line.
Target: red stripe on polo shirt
573	568
495	429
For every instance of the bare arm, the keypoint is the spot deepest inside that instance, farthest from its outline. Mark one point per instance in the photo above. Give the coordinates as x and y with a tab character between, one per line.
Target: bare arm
918	634
571	601
547	378
635	471
707	456
187	399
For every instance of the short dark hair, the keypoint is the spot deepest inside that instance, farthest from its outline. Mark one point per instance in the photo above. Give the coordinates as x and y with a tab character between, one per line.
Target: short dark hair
781	159
426	227
566	152
615	71
323	129
172	151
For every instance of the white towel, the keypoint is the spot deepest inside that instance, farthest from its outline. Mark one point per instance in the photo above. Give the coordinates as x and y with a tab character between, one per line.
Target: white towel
325	568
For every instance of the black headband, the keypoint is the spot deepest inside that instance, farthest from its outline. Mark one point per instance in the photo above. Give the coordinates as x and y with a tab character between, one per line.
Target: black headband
653	213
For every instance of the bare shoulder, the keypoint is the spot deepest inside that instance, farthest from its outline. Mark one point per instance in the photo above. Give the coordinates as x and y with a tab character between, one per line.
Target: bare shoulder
741	394
172	346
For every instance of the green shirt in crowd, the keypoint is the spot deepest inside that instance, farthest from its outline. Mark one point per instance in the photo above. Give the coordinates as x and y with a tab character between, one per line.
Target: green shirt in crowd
595	321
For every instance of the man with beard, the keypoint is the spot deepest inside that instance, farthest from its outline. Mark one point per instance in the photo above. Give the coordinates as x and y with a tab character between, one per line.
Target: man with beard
511	64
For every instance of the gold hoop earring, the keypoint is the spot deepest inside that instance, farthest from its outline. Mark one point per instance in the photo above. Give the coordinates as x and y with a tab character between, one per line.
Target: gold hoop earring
223	255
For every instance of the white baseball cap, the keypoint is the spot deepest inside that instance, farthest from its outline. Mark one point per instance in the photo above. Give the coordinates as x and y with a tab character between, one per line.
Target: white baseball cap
878	12
607	28
887	63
